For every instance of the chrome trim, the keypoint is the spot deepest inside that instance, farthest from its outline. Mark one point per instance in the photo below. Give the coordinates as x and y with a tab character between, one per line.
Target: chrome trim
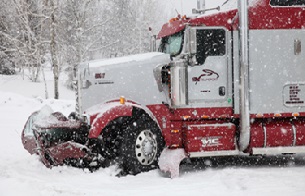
279	150
294	130
297	47
244	75
265	134
211	125
179	83
214	153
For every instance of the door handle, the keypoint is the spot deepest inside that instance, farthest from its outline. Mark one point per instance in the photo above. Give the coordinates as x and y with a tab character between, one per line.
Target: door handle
222	91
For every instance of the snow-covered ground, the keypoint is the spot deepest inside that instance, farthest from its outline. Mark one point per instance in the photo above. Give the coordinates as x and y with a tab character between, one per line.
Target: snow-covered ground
23	174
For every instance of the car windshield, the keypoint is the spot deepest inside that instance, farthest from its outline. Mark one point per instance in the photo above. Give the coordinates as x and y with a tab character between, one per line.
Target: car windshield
58	134
172	44
55	136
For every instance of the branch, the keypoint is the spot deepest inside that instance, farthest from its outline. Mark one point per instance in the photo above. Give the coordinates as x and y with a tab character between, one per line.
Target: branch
95	26
5	49
11	38
39	15
95	49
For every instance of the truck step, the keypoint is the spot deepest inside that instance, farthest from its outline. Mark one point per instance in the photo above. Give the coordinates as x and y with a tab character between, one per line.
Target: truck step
279	150
214	153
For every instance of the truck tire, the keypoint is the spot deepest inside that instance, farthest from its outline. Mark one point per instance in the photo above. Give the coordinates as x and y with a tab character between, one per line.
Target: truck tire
111	139
141	146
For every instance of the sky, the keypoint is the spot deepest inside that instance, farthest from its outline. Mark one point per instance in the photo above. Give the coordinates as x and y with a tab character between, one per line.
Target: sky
184	7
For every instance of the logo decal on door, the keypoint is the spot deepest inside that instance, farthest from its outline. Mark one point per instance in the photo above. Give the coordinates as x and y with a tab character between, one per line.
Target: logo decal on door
207	75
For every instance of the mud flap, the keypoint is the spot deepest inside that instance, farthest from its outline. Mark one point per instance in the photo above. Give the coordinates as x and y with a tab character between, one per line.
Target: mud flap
170	159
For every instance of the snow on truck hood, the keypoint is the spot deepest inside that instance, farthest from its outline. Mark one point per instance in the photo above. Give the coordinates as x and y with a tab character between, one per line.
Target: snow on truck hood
125	59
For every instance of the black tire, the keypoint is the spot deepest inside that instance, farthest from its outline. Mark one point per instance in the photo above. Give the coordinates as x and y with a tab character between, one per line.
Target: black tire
107	146
111	139
141	146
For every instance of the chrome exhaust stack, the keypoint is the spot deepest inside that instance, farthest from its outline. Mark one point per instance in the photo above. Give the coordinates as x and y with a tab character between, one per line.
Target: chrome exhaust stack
179	91
244	75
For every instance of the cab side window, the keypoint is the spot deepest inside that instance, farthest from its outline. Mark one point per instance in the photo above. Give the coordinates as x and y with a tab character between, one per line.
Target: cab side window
287	2
210	42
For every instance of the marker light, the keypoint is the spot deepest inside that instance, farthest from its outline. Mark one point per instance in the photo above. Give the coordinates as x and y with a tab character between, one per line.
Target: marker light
259	115
295	114
174	146
186	117
122	100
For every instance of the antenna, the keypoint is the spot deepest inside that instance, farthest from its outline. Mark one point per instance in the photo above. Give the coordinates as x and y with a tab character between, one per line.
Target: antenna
181	7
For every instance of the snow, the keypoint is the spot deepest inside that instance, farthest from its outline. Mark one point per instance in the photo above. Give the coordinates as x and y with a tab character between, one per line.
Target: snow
23	174
124	59
33	89
45	119
169	161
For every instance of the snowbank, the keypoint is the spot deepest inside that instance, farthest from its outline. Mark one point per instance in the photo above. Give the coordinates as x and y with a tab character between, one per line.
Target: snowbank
18	85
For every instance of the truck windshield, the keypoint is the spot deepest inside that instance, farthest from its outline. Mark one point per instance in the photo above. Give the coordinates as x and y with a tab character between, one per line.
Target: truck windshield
172	44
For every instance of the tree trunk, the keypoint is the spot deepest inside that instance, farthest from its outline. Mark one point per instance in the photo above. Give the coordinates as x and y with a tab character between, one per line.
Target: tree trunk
45	84
53	51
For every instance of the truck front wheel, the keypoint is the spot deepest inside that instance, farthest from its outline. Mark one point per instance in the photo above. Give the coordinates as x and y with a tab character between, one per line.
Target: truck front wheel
141	147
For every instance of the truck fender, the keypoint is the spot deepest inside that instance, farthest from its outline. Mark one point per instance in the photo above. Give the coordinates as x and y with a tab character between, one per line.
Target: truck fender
108	112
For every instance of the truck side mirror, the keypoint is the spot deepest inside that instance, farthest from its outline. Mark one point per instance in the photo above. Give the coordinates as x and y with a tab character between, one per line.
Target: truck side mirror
196	47
158	76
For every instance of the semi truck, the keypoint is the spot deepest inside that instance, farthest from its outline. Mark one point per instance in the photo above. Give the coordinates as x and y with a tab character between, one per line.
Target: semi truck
227	83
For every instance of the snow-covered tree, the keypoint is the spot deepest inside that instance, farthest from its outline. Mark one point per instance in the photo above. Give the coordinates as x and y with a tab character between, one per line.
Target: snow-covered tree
25	36
65	33
83	26
132	21
7	51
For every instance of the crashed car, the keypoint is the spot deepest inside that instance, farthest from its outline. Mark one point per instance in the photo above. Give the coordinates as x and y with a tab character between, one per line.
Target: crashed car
58	140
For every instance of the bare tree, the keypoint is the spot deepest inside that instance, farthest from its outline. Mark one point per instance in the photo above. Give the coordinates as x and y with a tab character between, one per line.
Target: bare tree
25	37
132	21
7	53
73	31
84	31
53	48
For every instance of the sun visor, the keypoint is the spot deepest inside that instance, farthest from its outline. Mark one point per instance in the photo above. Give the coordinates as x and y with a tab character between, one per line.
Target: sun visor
172	27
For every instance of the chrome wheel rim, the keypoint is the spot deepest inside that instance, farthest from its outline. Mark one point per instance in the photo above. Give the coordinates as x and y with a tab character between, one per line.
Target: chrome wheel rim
146	147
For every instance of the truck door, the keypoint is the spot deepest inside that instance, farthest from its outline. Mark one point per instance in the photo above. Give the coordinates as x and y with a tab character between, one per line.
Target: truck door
208	82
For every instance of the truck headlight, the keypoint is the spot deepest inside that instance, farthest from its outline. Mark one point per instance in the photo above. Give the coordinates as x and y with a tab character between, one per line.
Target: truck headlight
86	119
